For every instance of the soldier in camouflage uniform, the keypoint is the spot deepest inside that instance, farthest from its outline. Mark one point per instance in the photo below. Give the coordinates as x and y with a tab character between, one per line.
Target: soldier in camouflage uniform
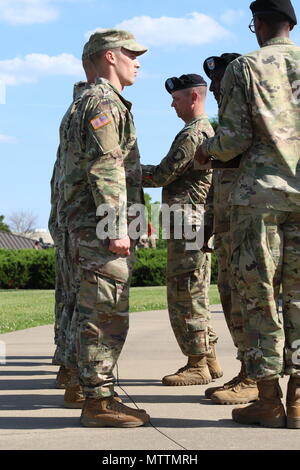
102	175
260	119
240	389
188	269
64	301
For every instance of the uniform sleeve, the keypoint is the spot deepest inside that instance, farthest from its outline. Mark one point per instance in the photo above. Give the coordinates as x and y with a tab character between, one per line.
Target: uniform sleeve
106	172
209	214
52	222
176	162
234	134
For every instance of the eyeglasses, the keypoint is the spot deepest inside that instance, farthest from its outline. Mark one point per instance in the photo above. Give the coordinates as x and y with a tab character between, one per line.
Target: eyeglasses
252	26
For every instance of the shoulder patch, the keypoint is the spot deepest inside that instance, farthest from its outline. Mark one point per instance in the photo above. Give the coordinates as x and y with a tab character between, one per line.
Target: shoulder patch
102	120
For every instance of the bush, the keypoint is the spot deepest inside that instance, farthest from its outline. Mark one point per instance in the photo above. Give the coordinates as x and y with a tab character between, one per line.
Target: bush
27	269
35	269
150	268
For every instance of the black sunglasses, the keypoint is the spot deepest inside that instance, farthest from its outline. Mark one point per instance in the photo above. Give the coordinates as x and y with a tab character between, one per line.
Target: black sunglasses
252	26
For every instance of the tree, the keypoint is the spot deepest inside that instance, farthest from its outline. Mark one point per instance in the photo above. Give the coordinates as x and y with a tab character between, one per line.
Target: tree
214	122
22	222
3	226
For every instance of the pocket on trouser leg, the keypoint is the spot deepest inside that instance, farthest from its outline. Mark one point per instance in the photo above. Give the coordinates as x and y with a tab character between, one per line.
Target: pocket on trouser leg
103	318
189	312
198	334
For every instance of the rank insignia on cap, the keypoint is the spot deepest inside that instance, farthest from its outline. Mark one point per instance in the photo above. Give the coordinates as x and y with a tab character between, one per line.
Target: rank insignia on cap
100	121
170	83
210	64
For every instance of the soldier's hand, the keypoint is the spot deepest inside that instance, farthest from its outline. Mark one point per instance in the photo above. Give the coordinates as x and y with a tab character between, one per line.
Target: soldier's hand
200	158
120	246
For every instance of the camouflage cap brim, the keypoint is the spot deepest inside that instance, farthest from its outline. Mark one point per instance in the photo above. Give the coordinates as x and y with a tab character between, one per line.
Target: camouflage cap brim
135	47
130	45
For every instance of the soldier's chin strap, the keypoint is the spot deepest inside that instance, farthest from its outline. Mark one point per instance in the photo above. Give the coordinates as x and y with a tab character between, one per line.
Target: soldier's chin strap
131	399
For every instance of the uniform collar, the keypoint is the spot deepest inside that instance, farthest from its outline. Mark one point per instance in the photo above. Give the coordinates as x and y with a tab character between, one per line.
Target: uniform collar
275	41
104	81
197	118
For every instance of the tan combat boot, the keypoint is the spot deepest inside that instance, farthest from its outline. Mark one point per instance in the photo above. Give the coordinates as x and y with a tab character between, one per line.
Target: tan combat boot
74	397
293	403
239	390
213	363
267	411
196	372
239	393
62	378
101	412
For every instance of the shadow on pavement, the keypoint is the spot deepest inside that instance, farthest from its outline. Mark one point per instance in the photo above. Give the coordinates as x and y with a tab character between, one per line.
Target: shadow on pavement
73	422
194	423
170	399
27	361
138	382
27	384
31	402
40	423
7	373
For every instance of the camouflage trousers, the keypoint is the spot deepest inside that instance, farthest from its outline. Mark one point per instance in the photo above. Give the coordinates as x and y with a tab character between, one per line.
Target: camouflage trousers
63	307
71	320
228	293
265	258
100	320
188	282
103	306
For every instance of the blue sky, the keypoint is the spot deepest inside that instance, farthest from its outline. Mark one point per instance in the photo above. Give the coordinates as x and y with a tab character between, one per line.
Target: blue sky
42	41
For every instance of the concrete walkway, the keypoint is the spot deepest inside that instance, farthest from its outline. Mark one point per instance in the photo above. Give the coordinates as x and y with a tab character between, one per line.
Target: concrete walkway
32	416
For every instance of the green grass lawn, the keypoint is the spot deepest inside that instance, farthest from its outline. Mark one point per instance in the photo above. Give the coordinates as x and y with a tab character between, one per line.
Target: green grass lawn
20	309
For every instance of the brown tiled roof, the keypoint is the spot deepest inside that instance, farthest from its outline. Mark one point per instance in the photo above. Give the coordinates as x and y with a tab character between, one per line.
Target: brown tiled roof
14	242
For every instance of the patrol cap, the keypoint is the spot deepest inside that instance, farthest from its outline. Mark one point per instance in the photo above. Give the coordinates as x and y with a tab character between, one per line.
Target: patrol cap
283	7
219	62
105	39
190	80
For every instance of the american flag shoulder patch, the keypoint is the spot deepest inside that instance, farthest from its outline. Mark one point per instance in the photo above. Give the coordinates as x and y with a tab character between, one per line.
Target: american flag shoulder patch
102	120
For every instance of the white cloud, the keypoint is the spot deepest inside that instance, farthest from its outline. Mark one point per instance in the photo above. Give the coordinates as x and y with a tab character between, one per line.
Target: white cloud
193	30
6	139
34	66
229	17
27	11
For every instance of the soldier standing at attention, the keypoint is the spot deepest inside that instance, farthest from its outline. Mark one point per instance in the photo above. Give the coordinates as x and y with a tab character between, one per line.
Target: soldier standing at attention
240	389
188	270
64	296
260	119
103	174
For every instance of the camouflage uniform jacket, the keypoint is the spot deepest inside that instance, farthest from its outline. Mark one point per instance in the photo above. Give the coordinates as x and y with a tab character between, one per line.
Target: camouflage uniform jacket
102	162
182	183
259	117
56	218
223	180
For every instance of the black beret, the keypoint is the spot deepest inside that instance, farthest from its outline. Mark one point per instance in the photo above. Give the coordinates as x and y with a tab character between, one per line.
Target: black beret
190	80
219	62
284	7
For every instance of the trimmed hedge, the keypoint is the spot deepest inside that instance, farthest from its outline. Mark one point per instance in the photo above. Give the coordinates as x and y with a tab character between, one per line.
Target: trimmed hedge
27	269
34	269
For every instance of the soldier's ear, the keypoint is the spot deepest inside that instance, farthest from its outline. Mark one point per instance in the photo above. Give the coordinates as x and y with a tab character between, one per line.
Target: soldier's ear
110	56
